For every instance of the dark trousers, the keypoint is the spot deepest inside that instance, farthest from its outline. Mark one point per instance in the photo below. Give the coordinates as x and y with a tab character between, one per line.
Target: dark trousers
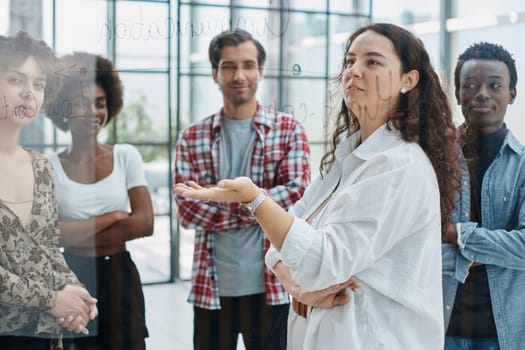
23	343
263	327
115	282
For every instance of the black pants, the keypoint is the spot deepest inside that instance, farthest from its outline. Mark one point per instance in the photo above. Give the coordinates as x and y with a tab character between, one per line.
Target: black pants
263	327
115	282
23	343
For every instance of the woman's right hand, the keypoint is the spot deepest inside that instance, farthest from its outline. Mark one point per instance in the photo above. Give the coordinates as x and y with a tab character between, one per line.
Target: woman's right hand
240	189
451	235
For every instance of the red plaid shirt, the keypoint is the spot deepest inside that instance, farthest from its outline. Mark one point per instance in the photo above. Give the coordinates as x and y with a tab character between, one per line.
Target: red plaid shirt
279	164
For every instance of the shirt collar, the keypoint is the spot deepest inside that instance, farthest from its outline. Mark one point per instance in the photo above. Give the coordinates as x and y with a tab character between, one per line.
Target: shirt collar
513	143
377	142
263	116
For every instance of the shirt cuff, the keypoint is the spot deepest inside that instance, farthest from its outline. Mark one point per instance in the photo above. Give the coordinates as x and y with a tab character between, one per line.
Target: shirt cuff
271	258
461	245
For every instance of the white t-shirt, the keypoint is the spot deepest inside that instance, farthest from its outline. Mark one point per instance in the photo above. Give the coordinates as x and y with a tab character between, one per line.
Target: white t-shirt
78	201
381	225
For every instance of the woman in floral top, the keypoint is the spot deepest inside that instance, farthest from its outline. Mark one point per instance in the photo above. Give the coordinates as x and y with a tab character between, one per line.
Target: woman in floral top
39	295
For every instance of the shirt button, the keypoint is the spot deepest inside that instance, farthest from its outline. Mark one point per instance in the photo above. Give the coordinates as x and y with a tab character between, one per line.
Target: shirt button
447	307
472	256
465	214
106	257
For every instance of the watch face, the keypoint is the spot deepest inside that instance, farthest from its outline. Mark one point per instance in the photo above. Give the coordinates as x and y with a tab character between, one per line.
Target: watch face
247	209
252	206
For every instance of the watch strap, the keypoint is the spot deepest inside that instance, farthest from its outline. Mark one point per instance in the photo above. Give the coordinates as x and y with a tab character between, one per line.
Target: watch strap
251	207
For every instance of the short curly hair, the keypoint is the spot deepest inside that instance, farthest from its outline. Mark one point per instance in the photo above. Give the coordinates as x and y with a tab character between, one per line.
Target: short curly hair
487	51
82	66
16	49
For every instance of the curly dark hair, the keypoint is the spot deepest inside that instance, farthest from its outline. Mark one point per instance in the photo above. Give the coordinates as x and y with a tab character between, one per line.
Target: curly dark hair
83	66
16	49
233	37
422	115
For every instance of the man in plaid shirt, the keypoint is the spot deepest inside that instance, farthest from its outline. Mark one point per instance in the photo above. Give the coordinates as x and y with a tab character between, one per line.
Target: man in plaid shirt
232	290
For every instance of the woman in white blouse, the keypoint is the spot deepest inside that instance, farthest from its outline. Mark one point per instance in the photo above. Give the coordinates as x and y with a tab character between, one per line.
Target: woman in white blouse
376	211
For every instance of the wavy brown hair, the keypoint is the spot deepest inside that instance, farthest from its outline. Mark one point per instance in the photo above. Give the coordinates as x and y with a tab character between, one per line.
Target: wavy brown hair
422	115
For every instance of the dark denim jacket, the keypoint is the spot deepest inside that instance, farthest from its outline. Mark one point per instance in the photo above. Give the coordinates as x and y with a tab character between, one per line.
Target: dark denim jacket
499	242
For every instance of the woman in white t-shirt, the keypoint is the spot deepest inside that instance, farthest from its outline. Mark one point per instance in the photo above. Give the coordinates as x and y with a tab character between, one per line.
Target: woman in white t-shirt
376	212
103	202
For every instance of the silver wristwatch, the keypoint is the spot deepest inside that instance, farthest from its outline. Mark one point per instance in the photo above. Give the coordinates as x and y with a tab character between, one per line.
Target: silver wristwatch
251	207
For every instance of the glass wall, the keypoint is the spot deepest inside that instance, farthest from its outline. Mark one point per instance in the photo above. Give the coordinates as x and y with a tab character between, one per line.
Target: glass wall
303	40
160	50
133	35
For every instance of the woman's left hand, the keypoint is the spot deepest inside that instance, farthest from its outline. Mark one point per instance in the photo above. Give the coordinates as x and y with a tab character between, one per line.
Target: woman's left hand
240	189
328	297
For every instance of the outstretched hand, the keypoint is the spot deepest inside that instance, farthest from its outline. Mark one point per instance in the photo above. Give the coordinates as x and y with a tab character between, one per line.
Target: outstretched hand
240	189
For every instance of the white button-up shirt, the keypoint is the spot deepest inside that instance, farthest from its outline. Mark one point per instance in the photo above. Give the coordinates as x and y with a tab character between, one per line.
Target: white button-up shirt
382	225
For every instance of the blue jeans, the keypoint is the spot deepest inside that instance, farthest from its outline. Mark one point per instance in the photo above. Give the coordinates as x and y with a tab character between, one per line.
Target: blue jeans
452	343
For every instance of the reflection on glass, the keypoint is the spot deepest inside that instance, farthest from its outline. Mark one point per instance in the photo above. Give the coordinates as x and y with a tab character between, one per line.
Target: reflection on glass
405	12
475	8
153	255
350	7
4	18
198	25
141	33
308	106
156	170
80	26
144	117
318	5
340	26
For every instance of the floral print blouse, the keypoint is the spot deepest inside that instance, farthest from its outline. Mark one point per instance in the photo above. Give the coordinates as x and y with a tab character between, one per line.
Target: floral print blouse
32	268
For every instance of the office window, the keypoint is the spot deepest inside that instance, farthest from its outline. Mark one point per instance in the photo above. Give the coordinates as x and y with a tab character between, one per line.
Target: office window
303	42
160	49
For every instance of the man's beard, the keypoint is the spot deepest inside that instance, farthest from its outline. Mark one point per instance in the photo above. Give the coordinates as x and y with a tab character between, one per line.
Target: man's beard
240	99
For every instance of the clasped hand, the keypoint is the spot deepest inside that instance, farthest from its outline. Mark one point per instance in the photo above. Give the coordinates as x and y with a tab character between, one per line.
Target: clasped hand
325	298
74	308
